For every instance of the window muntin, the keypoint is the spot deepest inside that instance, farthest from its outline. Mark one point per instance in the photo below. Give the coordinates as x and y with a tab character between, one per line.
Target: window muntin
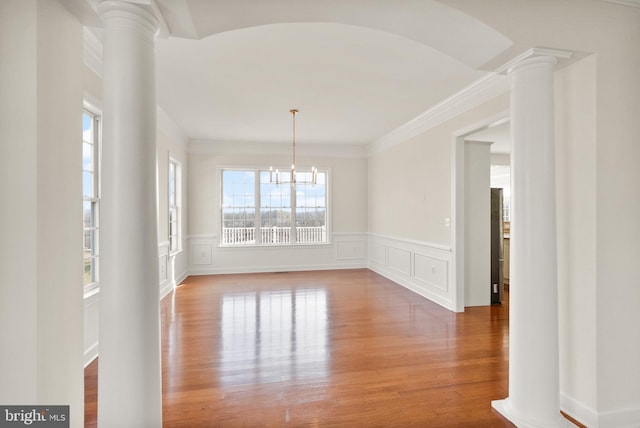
256	211
91	196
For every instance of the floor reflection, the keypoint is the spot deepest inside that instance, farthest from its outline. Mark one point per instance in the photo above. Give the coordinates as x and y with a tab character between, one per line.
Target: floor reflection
270	336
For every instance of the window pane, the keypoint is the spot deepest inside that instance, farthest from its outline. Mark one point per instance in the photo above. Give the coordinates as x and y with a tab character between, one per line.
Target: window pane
90	194
311	216
88	242
87	184
275	208
172	183
87	128
278	219
239	213
89	276
87	214
87	157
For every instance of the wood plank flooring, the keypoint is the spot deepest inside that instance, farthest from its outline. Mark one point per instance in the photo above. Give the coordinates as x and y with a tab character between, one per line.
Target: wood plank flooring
342	348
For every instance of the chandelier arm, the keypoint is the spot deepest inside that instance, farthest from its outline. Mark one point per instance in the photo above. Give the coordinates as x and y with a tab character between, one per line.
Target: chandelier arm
293	180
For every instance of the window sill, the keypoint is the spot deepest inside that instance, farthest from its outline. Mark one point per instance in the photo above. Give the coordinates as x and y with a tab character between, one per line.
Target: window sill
91	290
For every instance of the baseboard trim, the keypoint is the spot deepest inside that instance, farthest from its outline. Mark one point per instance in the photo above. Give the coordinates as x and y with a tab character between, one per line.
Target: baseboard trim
91	354
623	418
578	411
445	303
166	289
184	275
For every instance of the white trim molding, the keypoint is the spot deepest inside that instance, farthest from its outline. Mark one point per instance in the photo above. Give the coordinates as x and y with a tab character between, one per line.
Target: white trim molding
91	325
206	257
578	411
559	54
482	90
621	418
632	3
92	51
212	147
422	267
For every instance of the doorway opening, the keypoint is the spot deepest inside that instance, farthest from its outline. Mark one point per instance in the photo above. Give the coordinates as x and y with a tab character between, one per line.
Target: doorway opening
492	165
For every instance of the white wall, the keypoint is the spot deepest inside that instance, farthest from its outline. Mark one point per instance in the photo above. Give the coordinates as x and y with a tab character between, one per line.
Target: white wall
617	218
410	201
477	224
576	205
41	133
347	203
18	165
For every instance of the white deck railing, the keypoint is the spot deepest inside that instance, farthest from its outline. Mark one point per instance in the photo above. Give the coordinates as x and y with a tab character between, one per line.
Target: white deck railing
273	235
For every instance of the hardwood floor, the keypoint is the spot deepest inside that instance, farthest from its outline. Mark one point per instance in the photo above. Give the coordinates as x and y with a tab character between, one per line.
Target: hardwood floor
327	348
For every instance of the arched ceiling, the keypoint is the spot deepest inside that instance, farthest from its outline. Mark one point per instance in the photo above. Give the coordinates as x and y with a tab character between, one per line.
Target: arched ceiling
425	21
351	84
230	70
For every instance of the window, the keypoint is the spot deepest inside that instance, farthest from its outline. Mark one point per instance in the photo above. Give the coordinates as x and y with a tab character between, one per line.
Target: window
174	206
256	211
91	195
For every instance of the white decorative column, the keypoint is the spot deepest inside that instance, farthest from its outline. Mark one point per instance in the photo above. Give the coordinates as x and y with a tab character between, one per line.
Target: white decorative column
534	397
129	376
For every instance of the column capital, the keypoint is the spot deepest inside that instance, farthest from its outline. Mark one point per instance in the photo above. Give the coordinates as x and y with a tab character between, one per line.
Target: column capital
535	61
132	13
532	54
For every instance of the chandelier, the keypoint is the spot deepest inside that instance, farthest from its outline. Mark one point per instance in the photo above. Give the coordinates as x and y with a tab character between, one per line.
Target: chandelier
274	176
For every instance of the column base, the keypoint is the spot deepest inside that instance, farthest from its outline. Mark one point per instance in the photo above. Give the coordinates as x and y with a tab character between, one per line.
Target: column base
504	408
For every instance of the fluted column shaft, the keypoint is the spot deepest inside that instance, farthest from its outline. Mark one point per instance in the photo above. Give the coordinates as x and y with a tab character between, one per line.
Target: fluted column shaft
129	378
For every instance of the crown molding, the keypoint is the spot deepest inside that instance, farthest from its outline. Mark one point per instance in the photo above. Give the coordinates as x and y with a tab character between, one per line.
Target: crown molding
480	91
92	51
211	147
632	3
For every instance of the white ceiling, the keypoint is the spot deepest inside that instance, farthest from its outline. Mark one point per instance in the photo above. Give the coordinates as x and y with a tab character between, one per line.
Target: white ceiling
355	69
229	71
351	84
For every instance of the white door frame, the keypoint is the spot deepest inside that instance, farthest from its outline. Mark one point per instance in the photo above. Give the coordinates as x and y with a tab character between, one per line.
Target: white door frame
457	201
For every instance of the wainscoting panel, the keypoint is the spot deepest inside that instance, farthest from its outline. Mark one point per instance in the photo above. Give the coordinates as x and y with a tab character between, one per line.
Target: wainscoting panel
422	267
431	271
200	254
345	251
377	253
350	249
399	260
166	269
162	265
